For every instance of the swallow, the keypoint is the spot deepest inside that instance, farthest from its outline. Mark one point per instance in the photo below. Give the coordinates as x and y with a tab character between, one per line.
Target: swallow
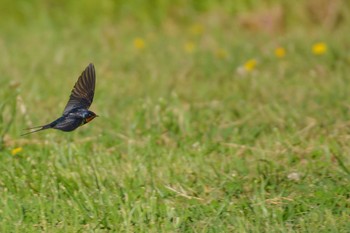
76	113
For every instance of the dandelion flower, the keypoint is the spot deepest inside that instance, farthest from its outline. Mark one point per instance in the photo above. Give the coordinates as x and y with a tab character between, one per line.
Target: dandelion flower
280	52
319	48
189	47
16	150
221	53
250	65
197	29
139	43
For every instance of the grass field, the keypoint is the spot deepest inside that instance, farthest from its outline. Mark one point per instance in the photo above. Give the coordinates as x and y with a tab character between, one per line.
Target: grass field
209	121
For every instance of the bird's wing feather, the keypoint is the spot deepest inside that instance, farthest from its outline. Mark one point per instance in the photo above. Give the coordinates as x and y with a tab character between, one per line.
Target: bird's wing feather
83	91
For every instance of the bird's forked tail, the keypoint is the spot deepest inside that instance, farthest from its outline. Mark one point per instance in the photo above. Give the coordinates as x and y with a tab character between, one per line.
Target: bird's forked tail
37	129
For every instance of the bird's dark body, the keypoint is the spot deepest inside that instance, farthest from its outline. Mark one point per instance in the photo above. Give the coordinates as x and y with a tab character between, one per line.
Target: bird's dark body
76	112
72	120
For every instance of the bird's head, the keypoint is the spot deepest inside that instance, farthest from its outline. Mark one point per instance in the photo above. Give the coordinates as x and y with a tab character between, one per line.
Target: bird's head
89	117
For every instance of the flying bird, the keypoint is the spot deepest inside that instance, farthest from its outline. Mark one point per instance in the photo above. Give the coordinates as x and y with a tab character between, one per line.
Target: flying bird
76	113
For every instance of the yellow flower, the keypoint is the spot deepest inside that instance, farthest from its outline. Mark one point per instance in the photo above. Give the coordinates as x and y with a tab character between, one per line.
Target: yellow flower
280	52
250	65
16	150
221	53
319	48
189	47
197	29
139	43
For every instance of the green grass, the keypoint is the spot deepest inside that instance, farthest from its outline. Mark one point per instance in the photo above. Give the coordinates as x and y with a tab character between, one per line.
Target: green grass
186	141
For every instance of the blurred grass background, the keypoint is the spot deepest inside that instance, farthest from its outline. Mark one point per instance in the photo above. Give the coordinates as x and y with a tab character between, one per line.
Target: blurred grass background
330	13
216	116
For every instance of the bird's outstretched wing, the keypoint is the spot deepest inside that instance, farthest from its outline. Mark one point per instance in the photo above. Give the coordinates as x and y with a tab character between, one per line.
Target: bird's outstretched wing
83	91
